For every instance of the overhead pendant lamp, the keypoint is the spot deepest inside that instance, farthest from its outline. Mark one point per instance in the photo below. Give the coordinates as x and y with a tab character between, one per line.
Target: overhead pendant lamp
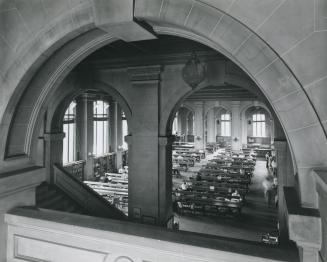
193	72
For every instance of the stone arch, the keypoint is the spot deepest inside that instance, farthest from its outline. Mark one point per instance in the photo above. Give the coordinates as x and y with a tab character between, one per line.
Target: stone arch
48	79
55	108
267	69
210	25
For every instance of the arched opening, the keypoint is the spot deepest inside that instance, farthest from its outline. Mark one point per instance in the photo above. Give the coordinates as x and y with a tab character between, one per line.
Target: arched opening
210	112
270	73
227	178
93	148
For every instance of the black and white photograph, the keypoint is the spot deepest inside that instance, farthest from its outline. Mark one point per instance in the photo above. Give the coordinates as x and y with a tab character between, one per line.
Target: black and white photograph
163	130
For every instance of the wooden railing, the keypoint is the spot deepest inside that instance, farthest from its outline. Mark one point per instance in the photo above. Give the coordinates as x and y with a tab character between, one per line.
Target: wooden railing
76	169
85	196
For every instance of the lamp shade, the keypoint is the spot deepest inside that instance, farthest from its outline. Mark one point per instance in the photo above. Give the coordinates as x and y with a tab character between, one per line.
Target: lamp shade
193	72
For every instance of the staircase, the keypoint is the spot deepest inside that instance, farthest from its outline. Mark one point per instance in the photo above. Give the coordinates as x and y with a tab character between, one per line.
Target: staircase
51	197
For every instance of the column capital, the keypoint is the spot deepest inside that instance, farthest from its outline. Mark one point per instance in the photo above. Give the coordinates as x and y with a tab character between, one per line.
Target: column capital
166	140
54	136
141	75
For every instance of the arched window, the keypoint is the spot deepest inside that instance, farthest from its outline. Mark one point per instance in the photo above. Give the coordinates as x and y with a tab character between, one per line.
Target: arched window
225	125
100	127
259	125
69	128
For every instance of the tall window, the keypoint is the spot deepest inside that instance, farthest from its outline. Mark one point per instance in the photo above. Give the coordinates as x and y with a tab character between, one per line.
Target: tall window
69	128
259	125
175	124
100	127
225	125
125	130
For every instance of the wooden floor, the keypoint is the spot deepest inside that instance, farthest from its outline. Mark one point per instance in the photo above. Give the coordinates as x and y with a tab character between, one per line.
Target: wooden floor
256	218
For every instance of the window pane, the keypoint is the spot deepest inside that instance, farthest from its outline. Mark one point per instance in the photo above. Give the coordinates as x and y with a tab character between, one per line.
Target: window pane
100	127
226	125
259	125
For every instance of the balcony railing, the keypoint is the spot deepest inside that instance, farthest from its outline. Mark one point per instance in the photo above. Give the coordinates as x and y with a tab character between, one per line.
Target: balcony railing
44	235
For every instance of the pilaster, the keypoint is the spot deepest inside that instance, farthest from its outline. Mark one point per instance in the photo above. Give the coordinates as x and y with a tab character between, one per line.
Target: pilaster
236	126
84	132
211	122
144	205
119	159
165	179
199	142
113	110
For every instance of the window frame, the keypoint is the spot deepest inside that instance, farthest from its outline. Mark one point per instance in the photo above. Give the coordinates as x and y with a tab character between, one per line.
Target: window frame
259	125
103	117
226	124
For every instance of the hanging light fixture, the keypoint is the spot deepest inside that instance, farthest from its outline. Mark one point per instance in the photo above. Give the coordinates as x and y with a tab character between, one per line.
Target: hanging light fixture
193	72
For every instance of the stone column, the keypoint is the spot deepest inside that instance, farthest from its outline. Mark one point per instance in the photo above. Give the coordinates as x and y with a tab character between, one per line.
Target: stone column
119	159
54	147
113	126
211	131
190	124
244	123
179	122
285	178
199	127
84	132
165	179
236	126
143	162
183	129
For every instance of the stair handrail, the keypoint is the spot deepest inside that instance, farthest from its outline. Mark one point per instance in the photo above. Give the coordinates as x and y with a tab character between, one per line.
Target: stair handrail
92	200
